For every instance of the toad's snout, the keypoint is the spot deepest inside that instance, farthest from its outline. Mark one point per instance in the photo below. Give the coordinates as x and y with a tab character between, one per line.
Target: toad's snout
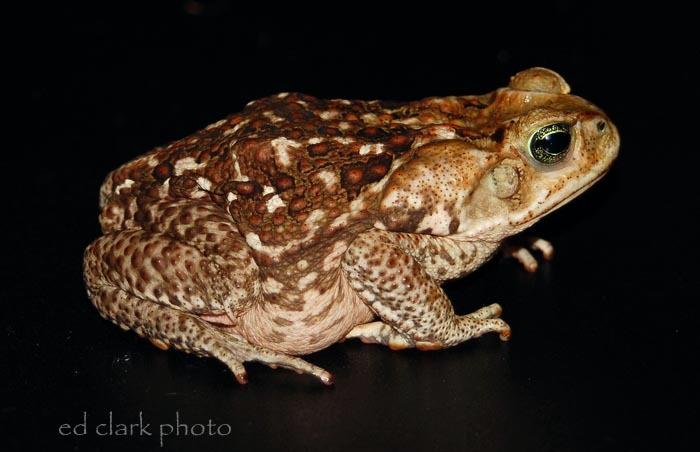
603	137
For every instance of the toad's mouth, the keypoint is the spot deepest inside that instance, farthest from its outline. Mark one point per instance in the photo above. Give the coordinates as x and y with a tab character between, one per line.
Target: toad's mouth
574	194
546	208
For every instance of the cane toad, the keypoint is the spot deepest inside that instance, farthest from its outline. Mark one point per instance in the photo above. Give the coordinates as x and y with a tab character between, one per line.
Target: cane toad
300	222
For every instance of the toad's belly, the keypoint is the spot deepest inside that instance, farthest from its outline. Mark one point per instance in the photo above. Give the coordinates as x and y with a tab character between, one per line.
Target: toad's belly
311	322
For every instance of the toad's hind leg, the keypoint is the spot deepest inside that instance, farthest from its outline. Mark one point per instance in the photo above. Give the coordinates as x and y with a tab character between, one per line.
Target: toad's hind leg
414	310
162	288
167	326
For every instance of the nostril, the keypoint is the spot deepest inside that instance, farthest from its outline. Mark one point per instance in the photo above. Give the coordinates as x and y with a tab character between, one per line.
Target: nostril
600	126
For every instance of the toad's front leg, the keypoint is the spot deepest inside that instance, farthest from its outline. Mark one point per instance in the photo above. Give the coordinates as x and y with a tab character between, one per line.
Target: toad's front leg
414	310
522	253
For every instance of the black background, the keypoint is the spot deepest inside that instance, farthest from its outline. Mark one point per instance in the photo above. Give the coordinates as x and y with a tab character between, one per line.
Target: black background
603	353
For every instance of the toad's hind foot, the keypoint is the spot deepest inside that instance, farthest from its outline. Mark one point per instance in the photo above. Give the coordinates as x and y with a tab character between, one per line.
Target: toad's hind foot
238	350
168	327
523	255
479	322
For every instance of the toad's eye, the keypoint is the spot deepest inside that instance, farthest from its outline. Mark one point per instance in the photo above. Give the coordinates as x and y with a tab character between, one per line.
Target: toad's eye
550	143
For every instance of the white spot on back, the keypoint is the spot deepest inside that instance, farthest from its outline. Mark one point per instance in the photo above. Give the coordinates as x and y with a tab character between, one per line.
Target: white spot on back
329	178
204	184
126	184
409	121
253	240
164	188
274	202
376	148
314	217
152	160
282	95
329	114
187	164
216	124
281	146
236	128
370	118
272	117
237	176
315	140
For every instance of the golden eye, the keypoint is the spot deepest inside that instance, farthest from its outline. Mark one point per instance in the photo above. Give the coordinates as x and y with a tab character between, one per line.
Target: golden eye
550	143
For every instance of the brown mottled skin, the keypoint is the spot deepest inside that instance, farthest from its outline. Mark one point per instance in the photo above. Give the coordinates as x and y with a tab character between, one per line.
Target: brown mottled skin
299	222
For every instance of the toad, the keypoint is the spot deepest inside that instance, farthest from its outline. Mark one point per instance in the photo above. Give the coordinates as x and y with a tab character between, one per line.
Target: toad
300	222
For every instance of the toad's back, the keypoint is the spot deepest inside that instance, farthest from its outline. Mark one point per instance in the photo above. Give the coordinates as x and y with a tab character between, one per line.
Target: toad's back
290	169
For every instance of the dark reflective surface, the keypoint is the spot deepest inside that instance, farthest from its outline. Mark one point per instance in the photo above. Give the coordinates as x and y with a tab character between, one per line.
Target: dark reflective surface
604	337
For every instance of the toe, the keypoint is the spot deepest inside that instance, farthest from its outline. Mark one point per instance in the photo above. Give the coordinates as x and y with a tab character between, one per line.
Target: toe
505	334
327	378
240	373
544	247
